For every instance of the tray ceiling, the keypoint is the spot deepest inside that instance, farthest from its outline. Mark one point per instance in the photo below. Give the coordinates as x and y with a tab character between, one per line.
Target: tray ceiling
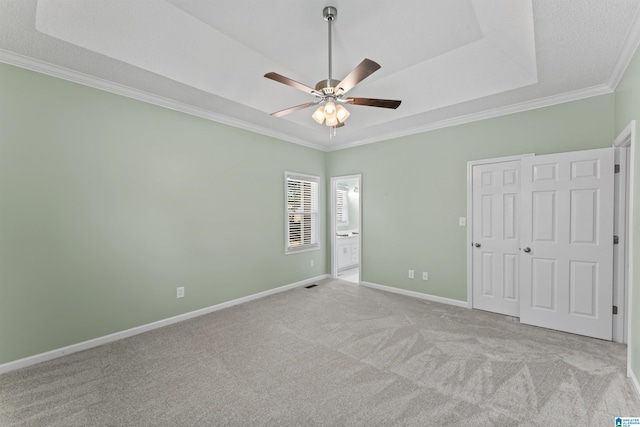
449	62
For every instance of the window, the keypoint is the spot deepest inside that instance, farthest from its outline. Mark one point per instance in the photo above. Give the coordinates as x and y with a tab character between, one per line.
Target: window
342	204
301	212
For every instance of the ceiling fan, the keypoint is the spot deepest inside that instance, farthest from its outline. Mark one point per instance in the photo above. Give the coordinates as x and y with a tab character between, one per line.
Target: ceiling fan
330	93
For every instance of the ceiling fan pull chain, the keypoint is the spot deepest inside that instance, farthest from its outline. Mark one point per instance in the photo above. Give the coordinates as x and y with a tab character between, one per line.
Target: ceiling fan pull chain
333	131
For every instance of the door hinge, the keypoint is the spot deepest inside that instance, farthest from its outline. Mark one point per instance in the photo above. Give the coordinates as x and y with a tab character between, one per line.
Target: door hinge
615	309
616	240
616	169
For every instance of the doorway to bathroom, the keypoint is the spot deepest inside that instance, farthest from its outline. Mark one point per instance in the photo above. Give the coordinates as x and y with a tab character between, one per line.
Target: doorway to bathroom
346	227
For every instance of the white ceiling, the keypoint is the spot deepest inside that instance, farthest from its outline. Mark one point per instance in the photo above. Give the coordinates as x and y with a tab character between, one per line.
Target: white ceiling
449	61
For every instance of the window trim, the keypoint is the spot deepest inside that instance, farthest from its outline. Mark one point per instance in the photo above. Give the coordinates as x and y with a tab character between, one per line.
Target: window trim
288	250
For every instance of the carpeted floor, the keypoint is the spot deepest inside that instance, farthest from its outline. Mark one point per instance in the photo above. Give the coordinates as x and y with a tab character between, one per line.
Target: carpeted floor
336	354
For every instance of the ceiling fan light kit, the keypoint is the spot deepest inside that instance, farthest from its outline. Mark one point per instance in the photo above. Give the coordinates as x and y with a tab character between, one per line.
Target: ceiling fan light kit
331	93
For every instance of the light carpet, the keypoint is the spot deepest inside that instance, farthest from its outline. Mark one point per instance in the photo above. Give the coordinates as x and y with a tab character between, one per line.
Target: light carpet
336	354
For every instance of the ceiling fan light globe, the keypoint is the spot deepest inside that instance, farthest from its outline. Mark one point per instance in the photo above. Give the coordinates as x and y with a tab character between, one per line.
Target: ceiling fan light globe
342	113
330	109
318	115
332	121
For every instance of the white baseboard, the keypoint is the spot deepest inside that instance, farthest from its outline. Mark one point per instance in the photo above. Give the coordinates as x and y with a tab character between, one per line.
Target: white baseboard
74	348
634	381
414	294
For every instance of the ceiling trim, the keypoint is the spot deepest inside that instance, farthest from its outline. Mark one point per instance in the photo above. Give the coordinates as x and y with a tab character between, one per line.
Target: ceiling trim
631	43
12	58
52	70
489	114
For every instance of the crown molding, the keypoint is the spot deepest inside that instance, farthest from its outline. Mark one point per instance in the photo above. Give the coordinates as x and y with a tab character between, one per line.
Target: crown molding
631	43
52	70
489	114
42	67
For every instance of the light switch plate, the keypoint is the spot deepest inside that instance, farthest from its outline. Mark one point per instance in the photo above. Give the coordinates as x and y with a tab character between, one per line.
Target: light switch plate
462	221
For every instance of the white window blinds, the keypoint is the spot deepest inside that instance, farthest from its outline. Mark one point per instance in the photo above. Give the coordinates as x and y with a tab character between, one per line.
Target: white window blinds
301	212
342	207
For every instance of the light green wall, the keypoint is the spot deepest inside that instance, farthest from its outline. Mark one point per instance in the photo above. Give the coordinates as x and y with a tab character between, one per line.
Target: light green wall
108	204
414	188
627	108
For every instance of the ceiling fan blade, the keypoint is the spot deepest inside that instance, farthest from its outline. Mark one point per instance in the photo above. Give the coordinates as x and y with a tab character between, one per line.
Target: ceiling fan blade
361	72
373	102
292	109
287	81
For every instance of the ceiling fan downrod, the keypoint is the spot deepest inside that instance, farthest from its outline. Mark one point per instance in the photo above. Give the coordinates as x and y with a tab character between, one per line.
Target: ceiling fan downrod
330	14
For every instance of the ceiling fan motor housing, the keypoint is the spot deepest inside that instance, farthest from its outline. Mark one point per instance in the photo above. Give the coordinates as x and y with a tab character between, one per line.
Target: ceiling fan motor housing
327	86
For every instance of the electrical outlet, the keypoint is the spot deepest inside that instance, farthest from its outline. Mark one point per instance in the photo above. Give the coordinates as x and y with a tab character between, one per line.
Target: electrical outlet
311	264
425	275
180	292
410	274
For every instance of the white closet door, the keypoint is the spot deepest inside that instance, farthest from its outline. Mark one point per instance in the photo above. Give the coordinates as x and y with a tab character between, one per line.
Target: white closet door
495	237
566	261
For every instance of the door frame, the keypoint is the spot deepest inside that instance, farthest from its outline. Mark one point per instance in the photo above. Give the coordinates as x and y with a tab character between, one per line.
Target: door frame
334	252
627	140
620	250
470	165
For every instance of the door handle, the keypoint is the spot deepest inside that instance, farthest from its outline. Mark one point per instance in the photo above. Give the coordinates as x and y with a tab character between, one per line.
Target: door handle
527	249
477	245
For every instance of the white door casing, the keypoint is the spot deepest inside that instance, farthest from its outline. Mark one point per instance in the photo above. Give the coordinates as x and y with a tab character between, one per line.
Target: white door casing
495	206
620	250
333	226
566	261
